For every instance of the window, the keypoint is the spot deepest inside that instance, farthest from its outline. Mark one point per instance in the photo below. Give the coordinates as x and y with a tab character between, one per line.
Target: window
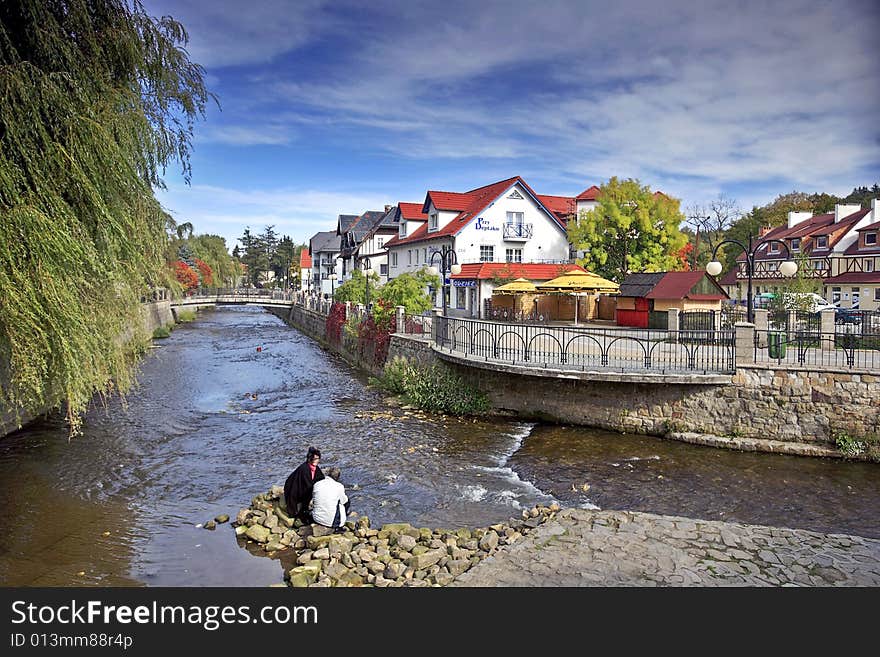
402	232
383	270
877	294
868	265
433	221
835	294
773	247
380	242
870	239
822	242
409	257
417	256
796	244
513	255
515	218
487	253
460	294
394	259
426	255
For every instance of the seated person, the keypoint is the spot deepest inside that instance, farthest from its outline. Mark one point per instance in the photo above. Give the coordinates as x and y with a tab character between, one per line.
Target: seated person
330	504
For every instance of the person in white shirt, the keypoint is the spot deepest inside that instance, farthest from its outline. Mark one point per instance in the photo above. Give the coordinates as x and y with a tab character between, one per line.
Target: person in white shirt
330	504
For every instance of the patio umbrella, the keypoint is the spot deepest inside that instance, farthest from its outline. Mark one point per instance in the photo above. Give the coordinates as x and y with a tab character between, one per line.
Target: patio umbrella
519	286
577	283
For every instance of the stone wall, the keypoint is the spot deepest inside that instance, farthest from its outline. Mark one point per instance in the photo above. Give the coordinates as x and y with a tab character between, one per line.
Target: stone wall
760	403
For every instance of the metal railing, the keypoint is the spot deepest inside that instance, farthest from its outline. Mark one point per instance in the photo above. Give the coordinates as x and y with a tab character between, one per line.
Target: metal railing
517	231
512	315
418	325
573	348
808	348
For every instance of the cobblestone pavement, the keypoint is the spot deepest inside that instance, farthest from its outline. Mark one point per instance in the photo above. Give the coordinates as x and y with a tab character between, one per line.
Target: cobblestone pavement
616	548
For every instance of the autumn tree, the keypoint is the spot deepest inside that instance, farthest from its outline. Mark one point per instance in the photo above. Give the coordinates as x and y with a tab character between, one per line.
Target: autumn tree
632	229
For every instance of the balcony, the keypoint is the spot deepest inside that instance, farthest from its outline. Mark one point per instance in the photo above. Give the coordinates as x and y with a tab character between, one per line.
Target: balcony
517	232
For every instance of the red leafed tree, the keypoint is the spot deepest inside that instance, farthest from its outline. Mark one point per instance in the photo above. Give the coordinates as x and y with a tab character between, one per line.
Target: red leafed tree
185	275
684	256
205	271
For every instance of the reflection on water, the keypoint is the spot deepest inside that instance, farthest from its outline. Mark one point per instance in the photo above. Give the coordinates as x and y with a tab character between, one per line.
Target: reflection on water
215	422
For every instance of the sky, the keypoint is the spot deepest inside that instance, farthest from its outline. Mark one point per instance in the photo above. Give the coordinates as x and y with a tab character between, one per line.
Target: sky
339	107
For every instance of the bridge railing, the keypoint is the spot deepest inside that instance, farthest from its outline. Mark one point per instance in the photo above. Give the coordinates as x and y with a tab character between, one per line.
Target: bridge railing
577	348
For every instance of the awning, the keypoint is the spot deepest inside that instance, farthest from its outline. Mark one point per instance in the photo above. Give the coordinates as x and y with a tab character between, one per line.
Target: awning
578	281
519	286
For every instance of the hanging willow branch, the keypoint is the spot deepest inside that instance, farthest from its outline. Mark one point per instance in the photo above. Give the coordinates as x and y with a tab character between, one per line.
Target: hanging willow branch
96	99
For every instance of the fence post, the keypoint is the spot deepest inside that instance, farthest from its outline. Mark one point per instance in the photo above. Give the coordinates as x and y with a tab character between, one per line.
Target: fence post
826	326
399	314
347	310
762	324
744	345
672	325
438	319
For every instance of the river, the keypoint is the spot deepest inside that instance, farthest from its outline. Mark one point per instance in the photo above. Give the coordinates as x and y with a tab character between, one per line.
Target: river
228	405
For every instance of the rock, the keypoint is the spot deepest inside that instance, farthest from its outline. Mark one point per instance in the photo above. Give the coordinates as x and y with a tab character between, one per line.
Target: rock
419	549
321	530
315	542
393	528
258	533
489	541
394	570
554	507
242	516
277	492
442	579
381	582
221	518
347	560
457	566
274	546
240	530
425	559
463	534
531	523
304	558
321	553
376	567
534	513
363	522
336	570
350	578
282	516
270	521
339	544
406	542
210	525
416	583
300	580
425	534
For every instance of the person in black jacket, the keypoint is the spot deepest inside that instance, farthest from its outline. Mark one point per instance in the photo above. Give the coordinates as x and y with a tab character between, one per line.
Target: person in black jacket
298	487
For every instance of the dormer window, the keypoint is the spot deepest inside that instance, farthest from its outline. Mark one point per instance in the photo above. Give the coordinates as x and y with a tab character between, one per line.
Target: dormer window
870	239
822	242
402	232
433	221
796	244
773	247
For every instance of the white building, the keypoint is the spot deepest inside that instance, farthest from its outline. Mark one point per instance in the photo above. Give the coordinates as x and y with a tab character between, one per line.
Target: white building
371	249
324	249
502	222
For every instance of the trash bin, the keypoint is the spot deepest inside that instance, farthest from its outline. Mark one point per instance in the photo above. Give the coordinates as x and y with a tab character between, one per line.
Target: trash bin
776	344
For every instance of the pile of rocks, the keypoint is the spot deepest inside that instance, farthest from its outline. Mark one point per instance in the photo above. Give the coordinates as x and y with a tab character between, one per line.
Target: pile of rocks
398	554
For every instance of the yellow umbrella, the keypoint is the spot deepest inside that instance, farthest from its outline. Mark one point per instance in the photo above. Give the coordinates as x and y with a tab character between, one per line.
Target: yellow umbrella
578	281
518	286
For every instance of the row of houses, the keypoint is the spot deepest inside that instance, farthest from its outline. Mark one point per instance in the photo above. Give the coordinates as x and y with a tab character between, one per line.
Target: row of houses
498	232
839	250
506	230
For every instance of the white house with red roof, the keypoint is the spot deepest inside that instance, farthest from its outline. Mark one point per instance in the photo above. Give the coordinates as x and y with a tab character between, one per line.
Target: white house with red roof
505	222
305	270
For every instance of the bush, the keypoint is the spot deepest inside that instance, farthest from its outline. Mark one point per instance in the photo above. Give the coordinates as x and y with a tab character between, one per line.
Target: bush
433	388
184	316
162	332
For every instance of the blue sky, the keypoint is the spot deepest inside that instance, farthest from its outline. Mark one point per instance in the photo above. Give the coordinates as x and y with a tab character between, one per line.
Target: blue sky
332	107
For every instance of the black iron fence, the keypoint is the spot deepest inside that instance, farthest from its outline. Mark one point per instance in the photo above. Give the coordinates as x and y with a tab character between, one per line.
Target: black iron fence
507	314
854	351
584	348
420	325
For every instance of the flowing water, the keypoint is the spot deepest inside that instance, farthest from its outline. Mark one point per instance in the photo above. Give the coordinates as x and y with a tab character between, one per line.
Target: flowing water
228	405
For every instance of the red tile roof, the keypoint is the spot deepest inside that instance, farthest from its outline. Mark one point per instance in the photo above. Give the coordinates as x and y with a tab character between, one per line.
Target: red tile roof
589	194
532	271
874	226
678	284
412	211
562	206
855	277
305	260
452	201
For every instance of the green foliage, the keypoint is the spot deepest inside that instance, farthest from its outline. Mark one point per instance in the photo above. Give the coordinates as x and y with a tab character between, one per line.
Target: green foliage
162	331
848	445
185	316
96	99
354	290
410	291
433	388
632	229
212	250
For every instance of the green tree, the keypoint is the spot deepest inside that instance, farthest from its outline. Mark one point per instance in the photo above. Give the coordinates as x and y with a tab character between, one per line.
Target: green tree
97	98
863	195
354	290
632	229
212	249
409	290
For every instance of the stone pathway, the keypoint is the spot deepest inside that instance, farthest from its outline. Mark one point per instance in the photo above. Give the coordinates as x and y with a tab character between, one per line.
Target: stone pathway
617	548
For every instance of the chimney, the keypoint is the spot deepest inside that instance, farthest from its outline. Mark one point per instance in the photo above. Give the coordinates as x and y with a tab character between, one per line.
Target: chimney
843	211
387	208
795	218
763	230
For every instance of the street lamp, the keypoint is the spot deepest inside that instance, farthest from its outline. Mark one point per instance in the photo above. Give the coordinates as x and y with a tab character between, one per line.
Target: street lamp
332	283
788	268
448	264
368	271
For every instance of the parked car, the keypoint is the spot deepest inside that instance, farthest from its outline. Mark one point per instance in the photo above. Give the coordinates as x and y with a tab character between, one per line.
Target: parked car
809	301
847	316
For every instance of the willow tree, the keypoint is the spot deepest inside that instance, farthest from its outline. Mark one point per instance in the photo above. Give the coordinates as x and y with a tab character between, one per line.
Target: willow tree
96	99
631	230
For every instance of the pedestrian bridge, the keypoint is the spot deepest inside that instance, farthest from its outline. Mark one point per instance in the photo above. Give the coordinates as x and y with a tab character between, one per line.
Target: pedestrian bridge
271	299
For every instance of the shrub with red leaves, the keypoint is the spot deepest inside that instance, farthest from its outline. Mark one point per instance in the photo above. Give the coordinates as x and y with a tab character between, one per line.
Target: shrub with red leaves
185	275
335	321
205	272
